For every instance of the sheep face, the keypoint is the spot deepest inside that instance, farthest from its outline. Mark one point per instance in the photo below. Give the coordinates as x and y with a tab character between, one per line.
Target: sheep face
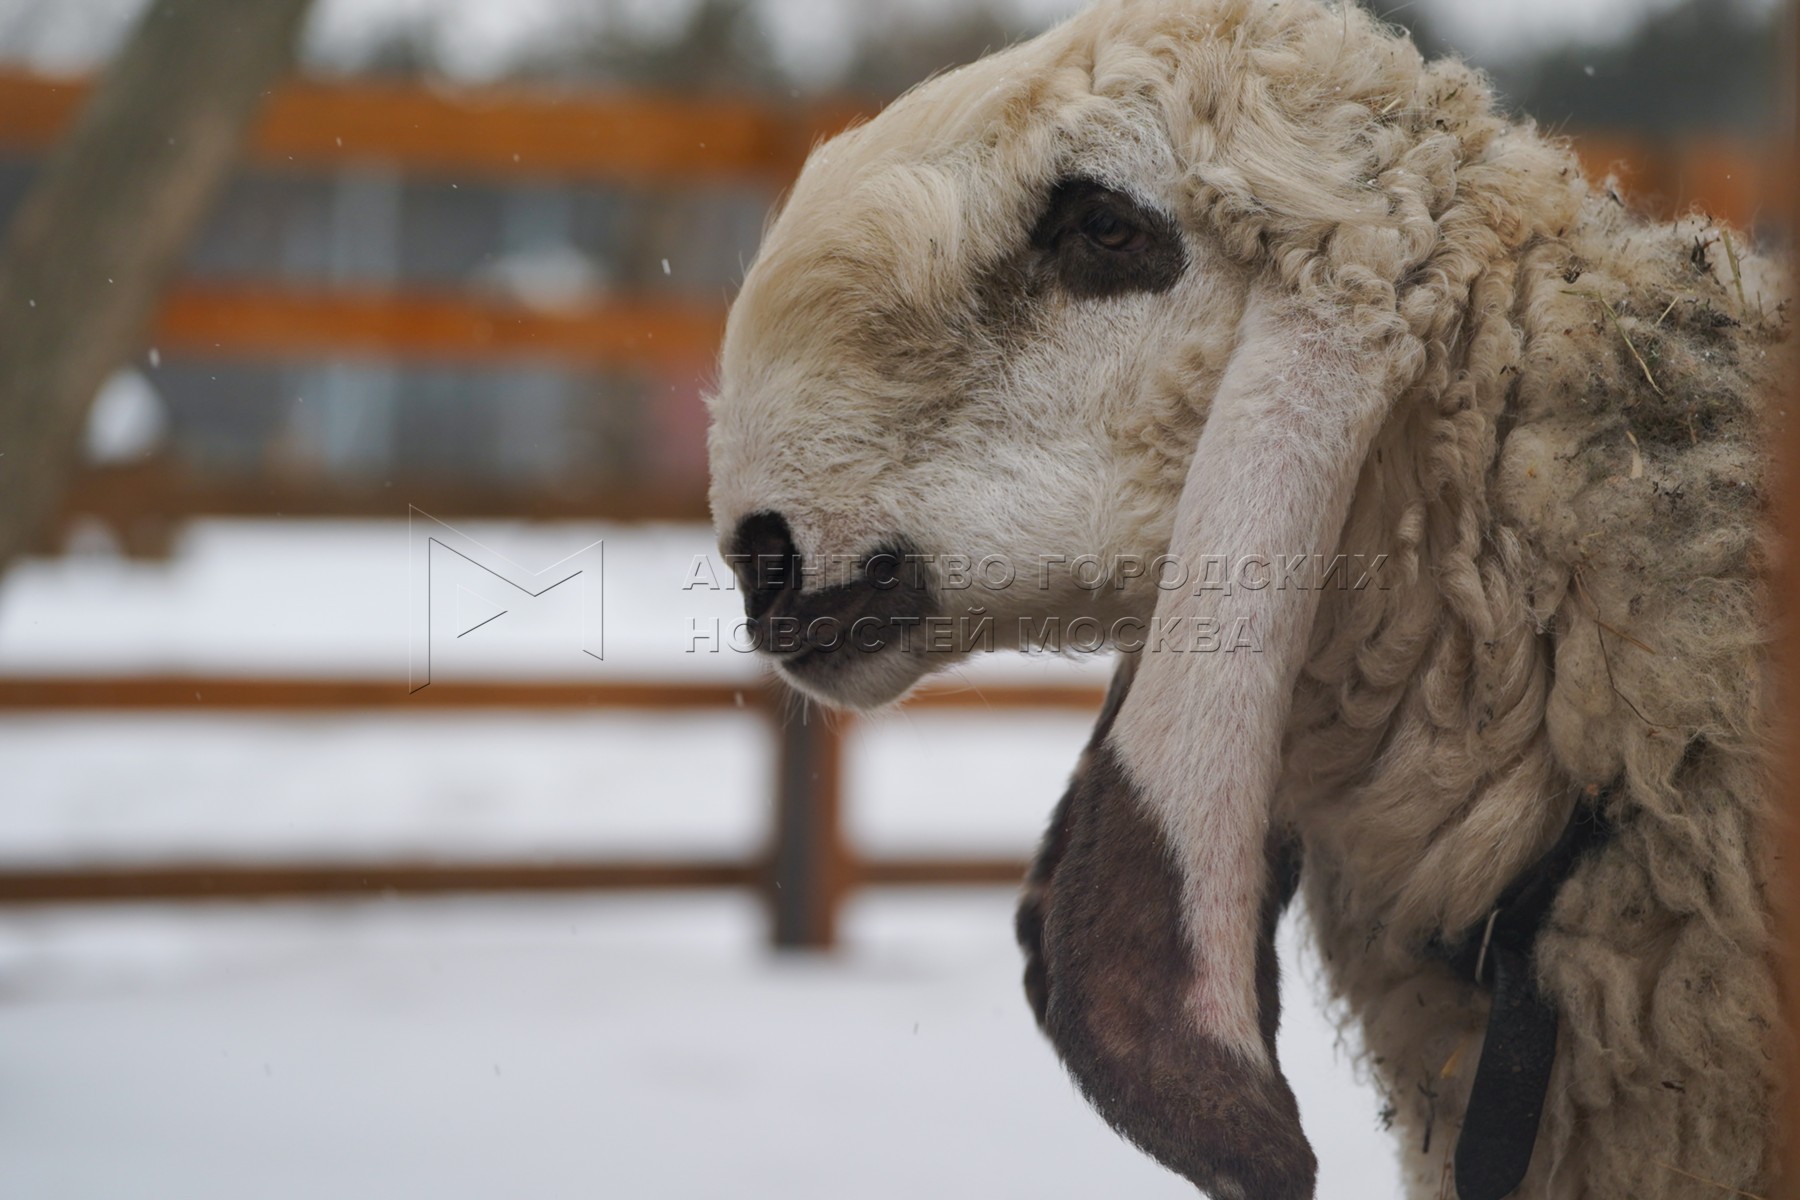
959	386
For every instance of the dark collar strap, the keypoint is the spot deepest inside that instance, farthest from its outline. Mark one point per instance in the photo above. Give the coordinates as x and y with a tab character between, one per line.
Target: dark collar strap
1513	1076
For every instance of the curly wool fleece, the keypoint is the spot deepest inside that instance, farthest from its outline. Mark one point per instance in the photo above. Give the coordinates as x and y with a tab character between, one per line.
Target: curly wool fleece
1573	497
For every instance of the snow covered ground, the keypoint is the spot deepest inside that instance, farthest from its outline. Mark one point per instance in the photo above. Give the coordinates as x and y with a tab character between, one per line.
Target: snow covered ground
604	1047
630	1047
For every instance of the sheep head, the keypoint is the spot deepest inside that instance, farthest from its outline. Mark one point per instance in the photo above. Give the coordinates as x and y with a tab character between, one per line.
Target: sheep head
960	338
1044	312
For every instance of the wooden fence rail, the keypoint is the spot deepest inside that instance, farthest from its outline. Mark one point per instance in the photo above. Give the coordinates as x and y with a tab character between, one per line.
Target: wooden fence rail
229	693
270	324
804	874
498	132
656	139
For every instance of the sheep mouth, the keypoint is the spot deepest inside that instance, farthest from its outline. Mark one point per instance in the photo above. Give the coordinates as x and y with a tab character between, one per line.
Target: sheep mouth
853	644
852	678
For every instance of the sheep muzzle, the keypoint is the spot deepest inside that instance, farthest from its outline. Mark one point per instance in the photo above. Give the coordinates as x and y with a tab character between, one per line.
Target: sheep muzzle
817	635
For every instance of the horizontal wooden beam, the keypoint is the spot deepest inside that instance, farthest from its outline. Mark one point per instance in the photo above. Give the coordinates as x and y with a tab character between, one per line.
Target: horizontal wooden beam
215	693
212	322
631	137
139	882
666	138
194	693
671	139
268	881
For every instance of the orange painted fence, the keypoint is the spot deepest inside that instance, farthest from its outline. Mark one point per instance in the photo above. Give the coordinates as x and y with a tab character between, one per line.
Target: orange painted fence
612	137
666	139
216	321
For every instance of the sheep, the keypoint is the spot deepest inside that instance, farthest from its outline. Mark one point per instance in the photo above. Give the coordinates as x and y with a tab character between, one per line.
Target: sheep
1453	471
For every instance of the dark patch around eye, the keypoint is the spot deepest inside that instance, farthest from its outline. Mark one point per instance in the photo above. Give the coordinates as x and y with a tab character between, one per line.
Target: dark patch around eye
1098	242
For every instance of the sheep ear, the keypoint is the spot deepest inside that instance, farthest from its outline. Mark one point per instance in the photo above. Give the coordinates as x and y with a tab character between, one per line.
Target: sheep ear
1150	915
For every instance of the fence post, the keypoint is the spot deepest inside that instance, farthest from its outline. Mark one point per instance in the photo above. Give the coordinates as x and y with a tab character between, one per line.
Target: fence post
809	869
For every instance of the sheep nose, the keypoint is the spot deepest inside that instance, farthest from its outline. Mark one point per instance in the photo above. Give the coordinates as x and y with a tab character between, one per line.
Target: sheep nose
793	621
765	560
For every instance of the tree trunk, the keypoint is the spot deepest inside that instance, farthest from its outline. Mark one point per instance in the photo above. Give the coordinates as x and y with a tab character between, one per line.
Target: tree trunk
106	222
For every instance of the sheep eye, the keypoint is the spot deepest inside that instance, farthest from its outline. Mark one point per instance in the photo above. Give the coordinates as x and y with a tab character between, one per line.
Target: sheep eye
1110	232
1098	242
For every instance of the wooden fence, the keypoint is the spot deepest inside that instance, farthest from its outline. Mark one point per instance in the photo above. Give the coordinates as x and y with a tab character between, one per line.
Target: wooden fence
804	875
604	140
